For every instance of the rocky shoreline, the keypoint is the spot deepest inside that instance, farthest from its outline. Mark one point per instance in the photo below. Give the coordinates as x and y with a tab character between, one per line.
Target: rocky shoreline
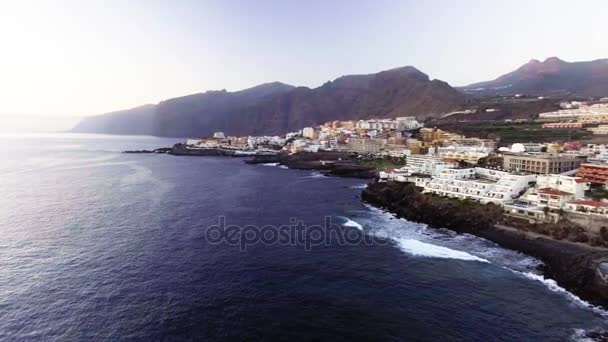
574	267
339	164
181	150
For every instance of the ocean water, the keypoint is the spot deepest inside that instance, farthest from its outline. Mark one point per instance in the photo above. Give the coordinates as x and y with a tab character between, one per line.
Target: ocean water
100	245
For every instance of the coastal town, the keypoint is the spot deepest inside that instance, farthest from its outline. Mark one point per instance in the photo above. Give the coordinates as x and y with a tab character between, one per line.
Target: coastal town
535	183
548	199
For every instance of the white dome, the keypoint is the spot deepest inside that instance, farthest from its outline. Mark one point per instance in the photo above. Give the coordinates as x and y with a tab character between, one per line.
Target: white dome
518	148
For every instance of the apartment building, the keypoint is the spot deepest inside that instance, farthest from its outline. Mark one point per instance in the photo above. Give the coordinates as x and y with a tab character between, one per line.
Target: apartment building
308	132
365	145
471	184
426	164
542	163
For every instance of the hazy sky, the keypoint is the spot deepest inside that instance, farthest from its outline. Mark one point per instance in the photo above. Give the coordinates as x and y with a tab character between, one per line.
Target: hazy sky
65	59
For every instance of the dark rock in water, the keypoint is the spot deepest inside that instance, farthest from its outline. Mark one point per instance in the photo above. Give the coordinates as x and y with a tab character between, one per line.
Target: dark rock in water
340	164
601	336
577	268
158	150
181	149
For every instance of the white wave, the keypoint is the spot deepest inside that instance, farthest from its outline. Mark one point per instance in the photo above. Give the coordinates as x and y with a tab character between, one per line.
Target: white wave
270	164
351	223
420	248
553	286
283	167
359	186
386	225
317	175
580	336
419	239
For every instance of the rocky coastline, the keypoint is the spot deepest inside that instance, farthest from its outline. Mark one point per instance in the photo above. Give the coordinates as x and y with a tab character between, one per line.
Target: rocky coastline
574	267
577	268
339	164
182	150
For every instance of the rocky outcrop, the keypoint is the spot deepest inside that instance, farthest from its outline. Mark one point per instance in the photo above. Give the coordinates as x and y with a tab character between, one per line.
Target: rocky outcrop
340	164
575	267
161	150
181	149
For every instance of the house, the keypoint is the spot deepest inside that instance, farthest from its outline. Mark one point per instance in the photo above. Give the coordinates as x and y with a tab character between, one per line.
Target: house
594	173
588	207
550	195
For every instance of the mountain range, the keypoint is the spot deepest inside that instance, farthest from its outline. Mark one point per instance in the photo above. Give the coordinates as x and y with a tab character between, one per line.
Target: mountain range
276	108
550	77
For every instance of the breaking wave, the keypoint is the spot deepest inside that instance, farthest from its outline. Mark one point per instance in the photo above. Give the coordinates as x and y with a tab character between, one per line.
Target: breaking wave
553	286
359	186
351	223
419	248
317	175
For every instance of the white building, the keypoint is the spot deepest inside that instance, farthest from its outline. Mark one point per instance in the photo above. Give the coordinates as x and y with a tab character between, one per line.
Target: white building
588	207
582	112
479	184
551	194
193	142
308	132
425	164
219	135
404	175
469	154
407	123
600	130
293	134
400	124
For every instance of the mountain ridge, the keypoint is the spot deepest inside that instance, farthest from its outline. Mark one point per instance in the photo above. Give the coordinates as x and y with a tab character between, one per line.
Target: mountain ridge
553	76
276	108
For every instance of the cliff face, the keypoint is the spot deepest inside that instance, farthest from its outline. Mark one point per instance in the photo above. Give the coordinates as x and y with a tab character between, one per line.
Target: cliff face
276	108
573	267
136	121
551	77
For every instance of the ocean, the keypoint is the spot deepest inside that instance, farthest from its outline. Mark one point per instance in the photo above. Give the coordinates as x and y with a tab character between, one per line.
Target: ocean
100	245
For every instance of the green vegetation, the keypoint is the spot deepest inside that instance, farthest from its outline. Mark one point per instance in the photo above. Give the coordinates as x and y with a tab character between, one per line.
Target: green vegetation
511	132
598	193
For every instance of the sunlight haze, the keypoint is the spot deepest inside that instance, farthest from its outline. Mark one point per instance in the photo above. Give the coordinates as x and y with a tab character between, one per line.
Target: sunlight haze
66	59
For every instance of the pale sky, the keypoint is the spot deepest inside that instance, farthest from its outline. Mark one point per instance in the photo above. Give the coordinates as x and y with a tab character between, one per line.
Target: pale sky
61	60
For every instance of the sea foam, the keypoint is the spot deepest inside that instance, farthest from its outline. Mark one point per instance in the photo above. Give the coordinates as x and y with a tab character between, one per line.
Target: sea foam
419	248
553	286
351	223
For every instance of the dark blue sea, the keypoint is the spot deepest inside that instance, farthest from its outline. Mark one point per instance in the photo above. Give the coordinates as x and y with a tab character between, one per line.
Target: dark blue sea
100	245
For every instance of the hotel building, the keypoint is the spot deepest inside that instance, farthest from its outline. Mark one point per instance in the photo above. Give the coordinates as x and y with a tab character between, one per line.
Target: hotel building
479	184
542	163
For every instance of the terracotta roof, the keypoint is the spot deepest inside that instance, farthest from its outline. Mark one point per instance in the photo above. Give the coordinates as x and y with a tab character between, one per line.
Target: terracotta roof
580	180
603	166
552	191
591	203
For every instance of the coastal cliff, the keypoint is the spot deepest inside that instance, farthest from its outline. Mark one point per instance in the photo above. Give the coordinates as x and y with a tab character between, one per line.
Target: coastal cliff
578	268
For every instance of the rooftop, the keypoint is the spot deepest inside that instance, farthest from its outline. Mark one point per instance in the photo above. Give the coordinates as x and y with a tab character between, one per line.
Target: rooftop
591	203
553	191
